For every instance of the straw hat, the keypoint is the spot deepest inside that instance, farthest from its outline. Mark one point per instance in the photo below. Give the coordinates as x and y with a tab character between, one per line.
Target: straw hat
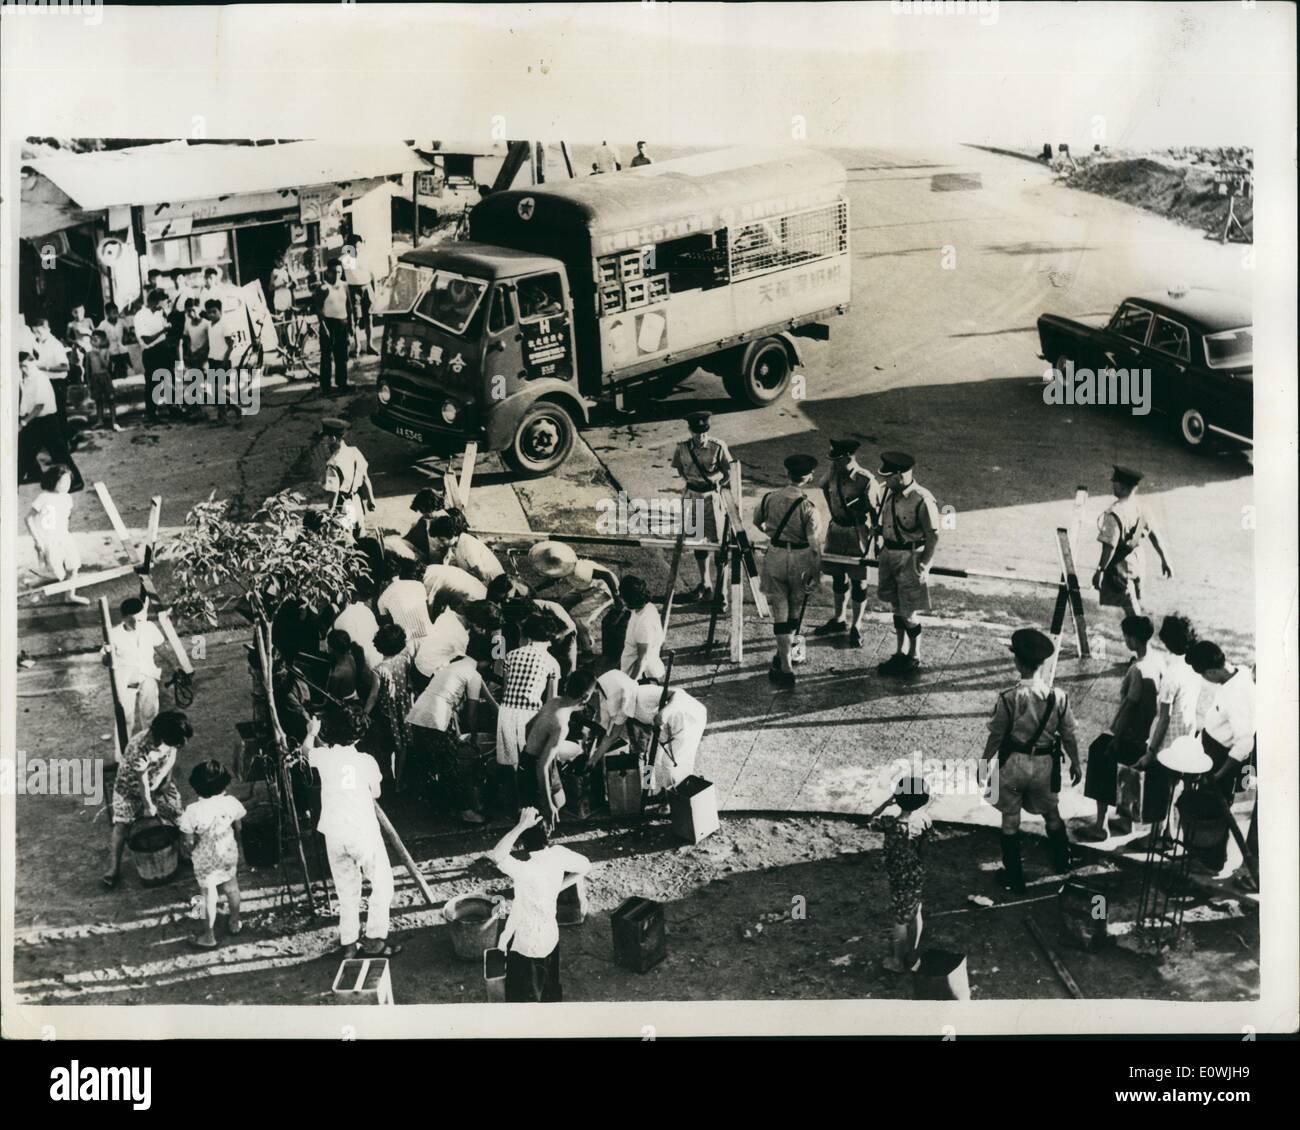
1185	755
552	559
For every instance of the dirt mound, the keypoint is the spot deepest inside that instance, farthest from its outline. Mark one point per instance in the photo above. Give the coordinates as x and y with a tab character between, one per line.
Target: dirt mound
1185	193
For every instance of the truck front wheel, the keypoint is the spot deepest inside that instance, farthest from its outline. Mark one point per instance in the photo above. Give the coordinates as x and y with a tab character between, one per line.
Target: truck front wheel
542	440
762	378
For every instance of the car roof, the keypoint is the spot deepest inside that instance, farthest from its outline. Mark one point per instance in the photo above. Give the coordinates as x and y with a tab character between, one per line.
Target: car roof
1209	310
480	260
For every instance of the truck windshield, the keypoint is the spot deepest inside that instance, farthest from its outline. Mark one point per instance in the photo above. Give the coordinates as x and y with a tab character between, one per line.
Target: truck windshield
406	286
1231	349
451	300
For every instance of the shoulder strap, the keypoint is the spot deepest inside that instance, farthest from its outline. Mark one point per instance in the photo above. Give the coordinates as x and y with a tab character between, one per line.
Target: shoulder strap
690	449
776	535
1042	722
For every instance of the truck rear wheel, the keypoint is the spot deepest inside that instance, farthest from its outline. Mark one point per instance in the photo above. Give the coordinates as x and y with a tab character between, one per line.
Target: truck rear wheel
542	440
763	378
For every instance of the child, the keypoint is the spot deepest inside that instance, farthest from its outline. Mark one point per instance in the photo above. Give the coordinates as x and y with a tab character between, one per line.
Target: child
99	377
47	522
211	828
114	329
905	837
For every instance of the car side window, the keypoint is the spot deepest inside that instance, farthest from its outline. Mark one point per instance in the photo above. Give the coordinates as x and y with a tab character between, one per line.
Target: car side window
1132	322
499	315
1172	338
540	296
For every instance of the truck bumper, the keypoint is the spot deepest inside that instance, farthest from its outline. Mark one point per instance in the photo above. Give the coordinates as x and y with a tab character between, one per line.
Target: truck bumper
442	437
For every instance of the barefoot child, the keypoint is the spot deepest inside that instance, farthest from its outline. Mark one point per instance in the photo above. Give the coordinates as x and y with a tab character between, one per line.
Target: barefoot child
99	378
47	522
905	836
211	828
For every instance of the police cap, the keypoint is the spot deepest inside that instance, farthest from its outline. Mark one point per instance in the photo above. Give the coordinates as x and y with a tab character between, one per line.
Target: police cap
800	464
843	447
698	421
1031	645
892	462
1126	475
333	426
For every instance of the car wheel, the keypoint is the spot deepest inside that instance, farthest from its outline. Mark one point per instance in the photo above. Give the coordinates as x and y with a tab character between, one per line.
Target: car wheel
764	378
1194	429
543	439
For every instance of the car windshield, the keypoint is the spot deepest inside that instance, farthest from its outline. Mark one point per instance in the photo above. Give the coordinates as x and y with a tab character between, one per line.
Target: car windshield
405	287
451	300
1231	349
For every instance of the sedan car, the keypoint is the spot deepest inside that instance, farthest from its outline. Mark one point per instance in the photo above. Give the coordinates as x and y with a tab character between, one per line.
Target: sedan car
1197	344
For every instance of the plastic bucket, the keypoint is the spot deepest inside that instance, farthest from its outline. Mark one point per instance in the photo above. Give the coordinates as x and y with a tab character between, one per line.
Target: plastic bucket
475	922
941	976
154	847
261	837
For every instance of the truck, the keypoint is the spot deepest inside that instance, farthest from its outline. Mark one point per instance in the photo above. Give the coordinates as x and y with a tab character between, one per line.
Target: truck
603	291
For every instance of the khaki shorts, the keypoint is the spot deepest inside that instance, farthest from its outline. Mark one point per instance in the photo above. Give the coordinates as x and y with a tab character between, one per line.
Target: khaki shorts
1020	778
900	582
711	506
784	580
844	541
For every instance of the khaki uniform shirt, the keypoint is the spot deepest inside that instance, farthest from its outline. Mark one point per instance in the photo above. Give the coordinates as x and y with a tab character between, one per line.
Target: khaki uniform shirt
910	515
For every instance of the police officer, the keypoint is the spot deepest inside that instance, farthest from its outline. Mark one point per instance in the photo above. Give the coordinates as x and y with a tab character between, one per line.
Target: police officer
1122	529
909	526
792	565
853	497
347	475
705	463
1027	720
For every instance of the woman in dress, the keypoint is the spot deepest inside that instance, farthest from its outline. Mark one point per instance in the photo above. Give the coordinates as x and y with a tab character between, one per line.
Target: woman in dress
390	702
47	521
211	829
144	785
641	660
905	838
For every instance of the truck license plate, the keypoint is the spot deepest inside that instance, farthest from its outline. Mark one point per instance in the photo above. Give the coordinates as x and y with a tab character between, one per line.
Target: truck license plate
411	433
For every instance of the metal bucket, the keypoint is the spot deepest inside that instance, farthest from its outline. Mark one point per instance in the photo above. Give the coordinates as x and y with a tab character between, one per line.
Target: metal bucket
475	922
154	846
941	976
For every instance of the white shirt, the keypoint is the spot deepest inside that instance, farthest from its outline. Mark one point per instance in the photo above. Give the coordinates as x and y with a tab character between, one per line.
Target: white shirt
148	323
360	623
49	353
1230	720
475	558
346	469
35	395
113	331
335	304
408	604
452	578
438	703
447	639
133	649
52	511
531	930
350	783
643	627
1180	690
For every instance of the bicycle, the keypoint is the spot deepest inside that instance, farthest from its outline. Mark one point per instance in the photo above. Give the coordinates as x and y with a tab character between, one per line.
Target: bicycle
299	341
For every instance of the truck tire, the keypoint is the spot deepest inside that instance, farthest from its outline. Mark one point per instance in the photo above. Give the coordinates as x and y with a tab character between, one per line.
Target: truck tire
763	378
543	439
1194	429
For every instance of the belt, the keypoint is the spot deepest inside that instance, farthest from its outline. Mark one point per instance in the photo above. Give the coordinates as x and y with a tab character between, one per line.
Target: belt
901	544
701	488
847	523
789	545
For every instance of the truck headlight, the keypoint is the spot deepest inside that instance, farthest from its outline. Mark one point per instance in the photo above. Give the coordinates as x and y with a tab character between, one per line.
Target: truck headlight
384	393
450	410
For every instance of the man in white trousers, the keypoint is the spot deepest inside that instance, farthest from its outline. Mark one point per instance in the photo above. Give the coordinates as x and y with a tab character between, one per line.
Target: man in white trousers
354	843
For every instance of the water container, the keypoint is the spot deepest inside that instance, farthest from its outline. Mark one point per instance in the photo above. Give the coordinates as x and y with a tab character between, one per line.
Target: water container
494	974
1083	917
154	845
1204	826
475	922
694	809
260	832
640	938
941	976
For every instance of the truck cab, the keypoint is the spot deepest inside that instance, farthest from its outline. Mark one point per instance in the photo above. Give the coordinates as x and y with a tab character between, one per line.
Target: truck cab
479	344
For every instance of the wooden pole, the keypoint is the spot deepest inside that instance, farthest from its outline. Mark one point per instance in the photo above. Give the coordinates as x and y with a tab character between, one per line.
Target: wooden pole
404	855
737	592
121	724
1058	965
670	593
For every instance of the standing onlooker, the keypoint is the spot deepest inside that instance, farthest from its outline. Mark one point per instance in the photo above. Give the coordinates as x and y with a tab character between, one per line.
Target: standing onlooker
52	359
444	728
905	838
47	521
1180	691
390	700
642	157
361	292
531	937
144	785
158	357
281	286
607	159
641	660
211	828
113	327
1130	730
38	425
130	652
354	844
99	378
332	308
80	328
531	676
406	602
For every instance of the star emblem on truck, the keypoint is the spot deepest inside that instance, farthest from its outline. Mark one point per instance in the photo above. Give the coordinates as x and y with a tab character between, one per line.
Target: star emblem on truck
526	206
